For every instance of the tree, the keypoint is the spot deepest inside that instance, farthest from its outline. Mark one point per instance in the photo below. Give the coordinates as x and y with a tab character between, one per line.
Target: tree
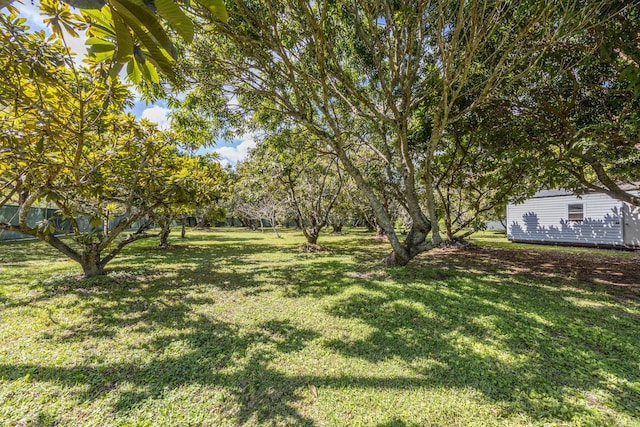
258	195
64	139
480	166
194	182
312	181
345	209
341	68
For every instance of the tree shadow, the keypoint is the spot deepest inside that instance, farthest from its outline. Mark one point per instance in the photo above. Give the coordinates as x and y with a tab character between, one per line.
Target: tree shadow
590	231
527	339
530	349
219	355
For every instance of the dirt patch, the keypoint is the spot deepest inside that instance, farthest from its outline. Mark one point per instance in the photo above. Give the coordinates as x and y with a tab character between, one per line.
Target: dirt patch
619	275
307	247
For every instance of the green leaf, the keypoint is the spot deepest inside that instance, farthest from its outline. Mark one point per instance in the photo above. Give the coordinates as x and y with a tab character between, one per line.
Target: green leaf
125	41
103	56
149	72
161	59
217	8
176	18
135	14
101	23
99	48
115	70
133	73
97	41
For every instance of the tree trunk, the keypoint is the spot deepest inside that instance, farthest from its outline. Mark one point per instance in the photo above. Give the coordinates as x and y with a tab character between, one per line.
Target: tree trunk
503	221
337	228
414	244
164	233
90	262
273	226
448	228
183	232
105	225
312	235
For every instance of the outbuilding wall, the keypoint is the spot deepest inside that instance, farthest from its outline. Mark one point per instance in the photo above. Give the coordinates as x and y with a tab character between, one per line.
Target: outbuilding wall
546	219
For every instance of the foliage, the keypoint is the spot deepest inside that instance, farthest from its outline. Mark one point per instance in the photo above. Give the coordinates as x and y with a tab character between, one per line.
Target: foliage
580	108
66	141
360	76
132	32
258	194
311	181
480	166
194	183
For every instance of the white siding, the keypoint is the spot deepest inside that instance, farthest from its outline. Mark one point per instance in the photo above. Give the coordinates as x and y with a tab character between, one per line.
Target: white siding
545	219
632	224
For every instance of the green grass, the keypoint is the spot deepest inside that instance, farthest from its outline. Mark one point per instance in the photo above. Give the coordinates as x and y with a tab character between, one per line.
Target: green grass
498	239
233	327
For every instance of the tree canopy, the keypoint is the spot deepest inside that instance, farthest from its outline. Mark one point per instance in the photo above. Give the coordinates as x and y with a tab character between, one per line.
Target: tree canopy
438	112
368	75
66	140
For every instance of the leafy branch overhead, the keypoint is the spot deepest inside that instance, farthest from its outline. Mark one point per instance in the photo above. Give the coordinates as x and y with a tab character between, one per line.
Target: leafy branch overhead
131	32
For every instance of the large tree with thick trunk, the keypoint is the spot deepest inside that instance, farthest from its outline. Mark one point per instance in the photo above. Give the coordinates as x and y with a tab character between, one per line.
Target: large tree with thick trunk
357	73
64	140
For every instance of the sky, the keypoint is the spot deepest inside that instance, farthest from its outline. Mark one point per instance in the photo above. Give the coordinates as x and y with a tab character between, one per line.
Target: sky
230	151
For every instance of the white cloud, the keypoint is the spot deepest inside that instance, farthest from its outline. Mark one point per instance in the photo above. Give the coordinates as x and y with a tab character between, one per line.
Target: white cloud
77	46
158	115
224	163
32	13
239	152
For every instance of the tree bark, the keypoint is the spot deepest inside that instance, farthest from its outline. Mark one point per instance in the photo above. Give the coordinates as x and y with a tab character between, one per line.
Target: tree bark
414	244
164	235
90	261
165	230
312	235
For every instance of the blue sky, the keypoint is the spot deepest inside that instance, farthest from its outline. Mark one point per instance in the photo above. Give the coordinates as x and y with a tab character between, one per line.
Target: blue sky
230	151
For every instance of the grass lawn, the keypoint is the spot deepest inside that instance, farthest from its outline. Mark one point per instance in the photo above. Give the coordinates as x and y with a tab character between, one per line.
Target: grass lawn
233	327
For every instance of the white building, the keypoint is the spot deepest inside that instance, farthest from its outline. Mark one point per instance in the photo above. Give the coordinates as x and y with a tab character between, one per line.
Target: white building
562	217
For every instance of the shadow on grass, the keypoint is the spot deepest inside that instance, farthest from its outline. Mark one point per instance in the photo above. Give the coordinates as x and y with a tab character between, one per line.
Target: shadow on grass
532	346
531	342
219	355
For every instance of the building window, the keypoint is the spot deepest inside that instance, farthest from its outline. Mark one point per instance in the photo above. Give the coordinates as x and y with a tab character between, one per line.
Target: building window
576	212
